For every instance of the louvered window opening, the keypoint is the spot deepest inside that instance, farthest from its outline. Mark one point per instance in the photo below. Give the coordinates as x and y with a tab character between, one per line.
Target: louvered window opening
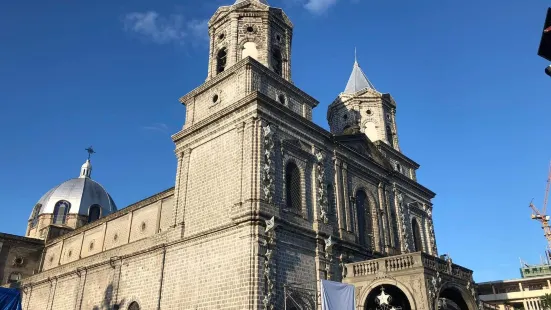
293	185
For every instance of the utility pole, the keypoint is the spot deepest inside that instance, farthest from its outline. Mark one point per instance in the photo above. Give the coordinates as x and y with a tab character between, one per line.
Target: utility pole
545	44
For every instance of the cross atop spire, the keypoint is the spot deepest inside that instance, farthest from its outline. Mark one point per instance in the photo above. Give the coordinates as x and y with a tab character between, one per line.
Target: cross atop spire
90	151
358	80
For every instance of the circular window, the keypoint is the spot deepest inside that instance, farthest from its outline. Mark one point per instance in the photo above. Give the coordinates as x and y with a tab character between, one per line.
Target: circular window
369	112
115	237
250	29
221	36
281	98
215	99
18	261
51	259
143	226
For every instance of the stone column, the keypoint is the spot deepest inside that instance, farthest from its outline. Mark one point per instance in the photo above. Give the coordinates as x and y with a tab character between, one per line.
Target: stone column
347	207
388	208
383	213
338	192
181	187
233	46
81	284
394	129
402	242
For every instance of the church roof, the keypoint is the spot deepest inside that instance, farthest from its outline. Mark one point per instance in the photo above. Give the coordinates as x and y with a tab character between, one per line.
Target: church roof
358	80
261	1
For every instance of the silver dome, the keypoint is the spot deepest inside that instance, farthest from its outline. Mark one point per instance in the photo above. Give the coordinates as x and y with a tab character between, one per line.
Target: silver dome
81	193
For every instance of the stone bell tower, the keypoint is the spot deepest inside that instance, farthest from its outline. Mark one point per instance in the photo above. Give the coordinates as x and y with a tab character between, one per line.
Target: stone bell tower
361	107
250	28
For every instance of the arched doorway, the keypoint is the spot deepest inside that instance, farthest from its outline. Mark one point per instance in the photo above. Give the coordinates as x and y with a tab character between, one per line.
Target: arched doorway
450	298
387	297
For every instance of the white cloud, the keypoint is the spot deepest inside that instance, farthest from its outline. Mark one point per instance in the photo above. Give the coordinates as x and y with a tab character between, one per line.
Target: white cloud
159	127
163	30
319	6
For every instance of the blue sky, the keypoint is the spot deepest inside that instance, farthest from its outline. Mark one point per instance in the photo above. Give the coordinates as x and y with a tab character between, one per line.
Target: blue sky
473	101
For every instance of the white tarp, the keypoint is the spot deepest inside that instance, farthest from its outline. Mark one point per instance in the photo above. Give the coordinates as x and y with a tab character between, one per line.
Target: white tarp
337	296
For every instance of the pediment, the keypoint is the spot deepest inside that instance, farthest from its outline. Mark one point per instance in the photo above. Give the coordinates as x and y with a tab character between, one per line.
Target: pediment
360	143
250	5
220	13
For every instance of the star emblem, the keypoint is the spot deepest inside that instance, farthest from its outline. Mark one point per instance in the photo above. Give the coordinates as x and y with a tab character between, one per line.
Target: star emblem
383	298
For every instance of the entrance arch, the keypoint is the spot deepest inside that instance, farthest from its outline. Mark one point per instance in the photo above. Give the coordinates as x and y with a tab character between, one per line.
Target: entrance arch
453	297
385	297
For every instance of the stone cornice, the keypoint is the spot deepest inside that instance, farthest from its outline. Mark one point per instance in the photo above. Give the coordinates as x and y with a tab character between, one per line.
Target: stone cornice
192	130
386	148
412	184
140	204
255	66
20	239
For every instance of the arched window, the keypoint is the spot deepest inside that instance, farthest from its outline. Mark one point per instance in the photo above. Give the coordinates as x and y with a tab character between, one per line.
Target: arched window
134	306
36	213
331	203
389	136
361	209
293	187
61	210
221	60
94	213
249	49
277	62
14	277
417	243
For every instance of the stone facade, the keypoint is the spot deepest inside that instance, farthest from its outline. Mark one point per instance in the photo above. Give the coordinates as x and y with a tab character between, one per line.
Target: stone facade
19	258
266	203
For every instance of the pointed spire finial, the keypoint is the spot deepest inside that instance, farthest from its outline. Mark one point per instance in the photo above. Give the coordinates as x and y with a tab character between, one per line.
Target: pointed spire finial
355	56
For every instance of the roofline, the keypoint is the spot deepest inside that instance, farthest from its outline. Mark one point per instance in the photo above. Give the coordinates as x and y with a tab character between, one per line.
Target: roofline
21	238
515	280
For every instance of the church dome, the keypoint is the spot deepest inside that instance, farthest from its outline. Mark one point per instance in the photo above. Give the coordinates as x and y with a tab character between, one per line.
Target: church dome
77	195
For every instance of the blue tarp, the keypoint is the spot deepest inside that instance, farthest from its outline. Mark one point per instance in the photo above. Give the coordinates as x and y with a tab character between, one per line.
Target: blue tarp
10	299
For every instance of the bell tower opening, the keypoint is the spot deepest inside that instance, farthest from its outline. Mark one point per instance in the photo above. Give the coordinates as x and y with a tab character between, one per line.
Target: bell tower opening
221	60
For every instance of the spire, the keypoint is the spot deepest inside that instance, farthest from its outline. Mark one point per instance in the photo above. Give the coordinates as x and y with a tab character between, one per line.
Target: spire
261	1
86	169
357	81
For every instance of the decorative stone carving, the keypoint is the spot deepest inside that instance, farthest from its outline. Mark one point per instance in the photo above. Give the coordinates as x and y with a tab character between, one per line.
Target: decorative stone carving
321	190
269	244
328	256
434	287
432	238
268	176
342	261
403	215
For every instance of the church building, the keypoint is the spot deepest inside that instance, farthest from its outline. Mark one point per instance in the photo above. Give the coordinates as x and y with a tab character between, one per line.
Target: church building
266	203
